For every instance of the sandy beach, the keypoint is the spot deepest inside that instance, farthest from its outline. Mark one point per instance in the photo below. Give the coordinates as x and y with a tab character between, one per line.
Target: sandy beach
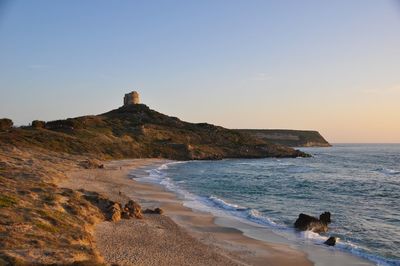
182	236
165	239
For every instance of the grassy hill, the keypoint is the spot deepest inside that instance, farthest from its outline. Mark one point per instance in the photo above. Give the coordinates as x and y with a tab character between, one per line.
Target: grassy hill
136	131
291	138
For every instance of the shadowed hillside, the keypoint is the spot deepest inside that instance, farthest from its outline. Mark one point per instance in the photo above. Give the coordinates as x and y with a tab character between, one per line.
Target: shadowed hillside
136	131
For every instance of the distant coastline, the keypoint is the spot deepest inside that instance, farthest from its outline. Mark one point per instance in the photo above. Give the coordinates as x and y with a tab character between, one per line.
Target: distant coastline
289	137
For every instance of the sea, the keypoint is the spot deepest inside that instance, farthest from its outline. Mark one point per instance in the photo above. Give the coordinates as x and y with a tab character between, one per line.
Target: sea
358	183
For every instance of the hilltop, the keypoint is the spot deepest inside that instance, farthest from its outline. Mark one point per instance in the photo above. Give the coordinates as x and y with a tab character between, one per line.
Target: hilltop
287	137
136	131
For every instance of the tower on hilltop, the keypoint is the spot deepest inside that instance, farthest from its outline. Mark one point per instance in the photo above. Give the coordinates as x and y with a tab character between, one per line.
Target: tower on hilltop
131	98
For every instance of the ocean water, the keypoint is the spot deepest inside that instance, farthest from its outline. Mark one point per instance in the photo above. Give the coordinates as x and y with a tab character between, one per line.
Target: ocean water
358	184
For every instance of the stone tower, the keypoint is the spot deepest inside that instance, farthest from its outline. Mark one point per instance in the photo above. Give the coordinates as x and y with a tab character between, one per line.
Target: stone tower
131	98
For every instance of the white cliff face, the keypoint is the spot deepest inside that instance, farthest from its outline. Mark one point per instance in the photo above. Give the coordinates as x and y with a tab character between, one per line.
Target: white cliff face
131	98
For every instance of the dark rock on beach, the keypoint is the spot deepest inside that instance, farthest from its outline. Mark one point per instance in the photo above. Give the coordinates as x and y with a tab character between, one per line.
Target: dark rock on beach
309	223
155	211
114	212
91	164
331	241
134	209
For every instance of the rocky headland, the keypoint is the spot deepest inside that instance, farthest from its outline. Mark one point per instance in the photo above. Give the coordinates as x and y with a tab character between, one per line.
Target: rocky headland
288	137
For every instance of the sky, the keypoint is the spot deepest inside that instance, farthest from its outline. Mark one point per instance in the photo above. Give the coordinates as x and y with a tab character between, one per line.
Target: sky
331	66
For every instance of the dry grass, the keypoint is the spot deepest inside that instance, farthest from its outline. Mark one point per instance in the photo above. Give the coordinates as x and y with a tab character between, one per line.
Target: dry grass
39	222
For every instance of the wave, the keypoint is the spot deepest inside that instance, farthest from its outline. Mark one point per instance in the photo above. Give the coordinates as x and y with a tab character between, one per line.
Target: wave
350	247
156	175
387	171
221	207
223	204
241	212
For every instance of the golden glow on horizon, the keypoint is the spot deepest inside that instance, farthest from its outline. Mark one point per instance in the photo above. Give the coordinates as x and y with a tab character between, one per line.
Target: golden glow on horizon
369	116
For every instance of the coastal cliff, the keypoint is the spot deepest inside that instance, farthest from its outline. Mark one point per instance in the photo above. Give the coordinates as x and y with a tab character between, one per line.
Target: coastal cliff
291	138
136	131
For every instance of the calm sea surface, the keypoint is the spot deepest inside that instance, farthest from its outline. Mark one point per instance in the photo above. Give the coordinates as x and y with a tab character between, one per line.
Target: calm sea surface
358	184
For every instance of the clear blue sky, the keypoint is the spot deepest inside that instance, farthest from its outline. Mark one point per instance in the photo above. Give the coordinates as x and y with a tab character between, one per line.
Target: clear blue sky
333	66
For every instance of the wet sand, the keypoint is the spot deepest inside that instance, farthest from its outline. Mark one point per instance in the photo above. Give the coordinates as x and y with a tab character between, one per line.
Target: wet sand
183	236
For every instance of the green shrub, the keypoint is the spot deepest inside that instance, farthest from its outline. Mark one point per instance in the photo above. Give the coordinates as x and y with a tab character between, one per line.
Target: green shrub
6	123
38	124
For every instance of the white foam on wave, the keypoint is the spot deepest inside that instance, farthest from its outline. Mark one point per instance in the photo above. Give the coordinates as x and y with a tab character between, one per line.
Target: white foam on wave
314	237
247	163
388	171
225	205
157	175
257	217
356	250
350	247
162	167
241	212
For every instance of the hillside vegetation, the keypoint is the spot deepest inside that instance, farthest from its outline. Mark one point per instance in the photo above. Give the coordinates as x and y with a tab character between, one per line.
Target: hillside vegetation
136	131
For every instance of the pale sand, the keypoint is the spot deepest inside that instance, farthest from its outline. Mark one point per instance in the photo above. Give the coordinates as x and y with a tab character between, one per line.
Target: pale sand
181	236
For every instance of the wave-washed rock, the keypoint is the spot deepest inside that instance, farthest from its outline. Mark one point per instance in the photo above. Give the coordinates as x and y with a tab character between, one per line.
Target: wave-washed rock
309	223
331	241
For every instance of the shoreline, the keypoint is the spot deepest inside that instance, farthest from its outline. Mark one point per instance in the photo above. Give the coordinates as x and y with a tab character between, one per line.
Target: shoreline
317	254
236	242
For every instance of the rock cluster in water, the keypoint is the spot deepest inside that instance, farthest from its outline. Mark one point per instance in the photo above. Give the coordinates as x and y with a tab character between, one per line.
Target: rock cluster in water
306	222
331	241
309	223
